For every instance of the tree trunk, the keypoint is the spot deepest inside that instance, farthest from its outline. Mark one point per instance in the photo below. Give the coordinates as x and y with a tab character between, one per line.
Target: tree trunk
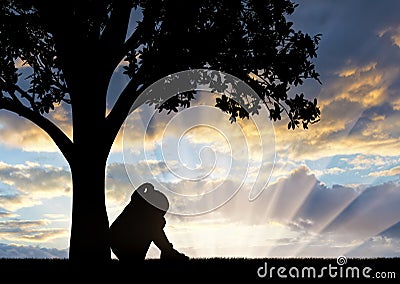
90	226
90	240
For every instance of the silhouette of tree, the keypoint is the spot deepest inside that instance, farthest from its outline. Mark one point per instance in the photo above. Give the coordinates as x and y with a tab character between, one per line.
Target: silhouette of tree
74	46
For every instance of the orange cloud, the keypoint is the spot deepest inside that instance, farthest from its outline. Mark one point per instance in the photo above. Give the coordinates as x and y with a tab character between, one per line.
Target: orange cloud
350	71
393	32
20	133
368	85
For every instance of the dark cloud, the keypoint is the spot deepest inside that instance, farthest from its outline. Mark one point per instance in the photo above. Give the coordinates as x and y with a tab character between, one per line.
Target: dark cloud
361	37
349	28
374	210
374	116
385	109
362	124
392	231
377	246
323	203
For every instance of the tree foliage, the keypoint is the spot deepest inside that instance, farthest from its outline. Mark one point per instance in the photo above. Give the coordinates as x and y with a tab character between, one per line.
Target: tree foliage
249	39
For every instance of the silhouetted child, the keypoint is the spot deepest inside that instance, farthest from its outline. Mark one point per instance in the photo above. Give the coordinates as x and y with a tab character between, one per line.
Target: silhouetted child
140	223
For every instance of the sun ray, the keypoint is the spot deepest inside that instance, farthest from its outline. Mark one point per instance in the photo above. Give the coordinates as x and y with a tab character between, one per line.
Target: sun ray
318	228
367	239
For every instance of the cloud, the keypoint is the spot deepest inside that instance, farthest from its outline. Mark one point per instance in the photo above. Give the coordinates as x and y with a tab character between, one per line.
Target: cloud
19	251
330	171
377	246
56	217
202	125
359	72
294	216
35	180
374	210
348	33
118	185
355	70
20	133
4	214
297	198
386	173
391	232
393	32
31	184
362	162
29	231
13	202
346	128
368	85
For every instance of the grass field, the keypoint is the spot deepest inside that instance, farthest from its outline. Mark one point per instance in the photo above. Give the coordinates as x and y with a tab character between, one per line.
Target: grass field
210	270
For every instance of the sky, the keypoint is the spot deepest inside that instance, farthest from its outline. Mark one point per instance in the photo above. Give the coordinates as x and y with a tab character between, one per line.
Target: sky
331	190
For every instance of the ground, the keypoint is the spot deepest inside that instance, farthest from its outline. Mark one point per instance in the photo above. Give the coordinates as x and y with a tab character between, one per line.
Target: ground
195	270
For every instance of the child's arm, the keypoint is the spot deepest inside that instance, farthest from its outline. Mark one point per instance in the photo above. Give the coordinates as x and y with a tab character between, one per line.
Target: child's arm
167	249
161	241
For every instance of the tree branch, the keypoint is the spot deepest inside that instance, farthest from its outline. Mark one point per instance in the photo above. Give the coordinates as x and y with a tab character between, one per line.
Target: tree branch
117	27
25	95
121	110
58	136
12	88
114	34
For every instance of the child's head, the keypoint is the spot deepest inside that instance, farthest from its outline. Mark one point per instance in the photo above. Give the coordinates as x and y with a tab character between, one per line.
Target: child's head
158	200
153	197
